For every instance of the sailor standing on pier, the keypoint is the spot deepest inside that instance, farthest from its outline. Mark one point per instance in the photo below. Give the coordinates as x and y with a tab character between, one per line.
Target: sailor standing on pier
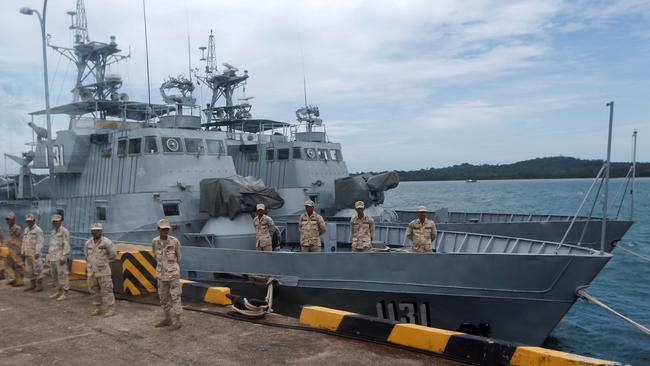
311	226
99	252
14	244
422	232
362	228
58	257
264	229
31	250
167	251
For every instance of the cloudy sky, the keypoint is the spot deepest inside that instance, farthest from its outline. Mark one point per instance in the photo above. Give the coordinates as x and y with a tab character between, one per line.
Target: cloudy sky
401	84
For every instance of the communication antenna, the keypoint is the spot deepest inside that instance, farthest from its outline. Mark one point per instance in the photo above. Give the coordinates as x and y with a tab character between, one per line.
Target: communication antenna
211	58
146	46
79	24
189	54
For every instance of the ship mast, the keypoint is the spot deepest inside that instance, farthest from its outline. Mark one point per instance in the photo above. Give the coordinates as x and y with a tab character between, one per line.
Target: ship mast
91	59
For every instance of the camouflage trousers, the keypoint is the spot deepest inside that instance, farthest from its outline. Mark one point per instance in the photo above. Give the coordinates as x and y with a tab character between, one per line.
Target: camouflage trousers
101	290
422	248
170	296
14	263
266	248
33	268
60	274
310	248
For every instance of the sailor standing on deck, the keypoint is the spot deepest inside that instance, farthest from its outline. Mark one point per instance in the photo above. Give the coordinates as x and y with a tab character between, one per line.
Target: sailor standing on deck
264	229
99	251
362	228
31	250
422	232
167	251
311	226
58	257
14	244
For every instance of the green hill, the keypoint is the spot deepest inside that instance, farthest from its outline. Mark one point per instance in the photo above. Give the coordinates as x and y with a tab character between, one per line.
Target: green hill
540	168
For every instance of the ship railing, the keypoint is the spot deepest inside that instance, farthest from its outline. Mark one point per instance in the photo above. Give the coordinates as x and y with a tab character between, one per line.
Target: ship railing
394	236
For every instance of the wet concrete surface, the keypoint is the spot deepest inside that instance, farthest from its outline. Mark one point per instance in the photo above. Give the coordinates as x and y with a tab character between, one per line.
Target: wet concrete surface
36	330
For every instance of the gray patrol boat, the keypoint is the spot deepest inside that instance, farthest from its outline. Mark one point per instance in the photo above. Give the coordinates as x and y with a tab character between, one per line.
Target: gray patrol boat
127	164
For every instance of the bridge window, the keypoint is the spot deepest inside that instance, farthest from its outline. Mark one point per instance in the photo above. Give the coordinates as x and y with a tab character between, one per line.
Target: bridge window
270	154
310	153
336	155
323	154
135	146
194	146
297	153
121	148
172	144
283	154
215	147
150	145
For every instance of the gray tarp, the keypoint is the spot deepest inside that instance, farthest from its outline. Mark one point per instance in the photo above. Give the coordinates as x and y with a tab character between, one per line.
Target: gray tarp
367	188
233	195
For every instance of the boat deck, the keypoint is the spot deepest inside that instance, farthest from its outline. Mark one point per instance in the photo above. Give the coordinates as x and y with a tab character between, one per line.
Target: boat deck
39	331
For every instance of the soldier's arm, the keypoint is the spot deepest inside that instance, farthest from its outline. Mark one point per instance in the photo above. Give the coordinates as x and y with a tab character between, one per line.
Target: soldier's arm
321	225
40	239
111	250
86	249
409	232
434	231
352	227
66	244
271	226
178	251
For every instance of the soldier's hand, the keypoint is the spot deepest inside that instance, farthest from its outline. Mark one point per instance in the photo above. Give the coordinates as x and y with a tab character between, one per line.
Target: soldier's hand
62	261
37	256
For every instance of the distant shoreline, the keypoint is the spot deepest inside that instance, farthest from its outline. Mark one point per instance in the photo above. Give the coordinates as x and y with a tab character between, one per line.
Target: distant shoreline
557	167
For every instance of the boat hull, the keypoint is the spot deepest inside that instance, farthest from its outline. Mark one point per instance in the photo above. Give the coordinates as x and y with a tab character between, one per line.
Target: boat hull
521	297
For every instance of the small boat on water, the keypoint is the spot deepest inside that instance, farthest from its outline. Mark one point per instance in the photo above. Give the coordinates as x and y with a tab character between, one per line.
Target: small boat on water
471	181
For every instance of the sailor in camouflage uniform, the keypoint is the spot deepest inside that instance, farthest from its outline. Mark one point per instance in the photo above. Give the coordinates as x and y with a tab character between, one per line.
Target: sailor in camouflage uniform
167	251
58	257
2	258
15	244
31	250
362	228
99	252
311	226
422	232
264	229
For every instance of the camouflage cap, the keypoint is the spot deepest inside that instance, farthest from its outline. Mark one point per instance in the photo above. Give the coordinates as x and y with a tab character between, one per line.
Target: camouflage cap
11	215
30	217
164	224
260	206
56	217
422	208
96	226
359	204
309	203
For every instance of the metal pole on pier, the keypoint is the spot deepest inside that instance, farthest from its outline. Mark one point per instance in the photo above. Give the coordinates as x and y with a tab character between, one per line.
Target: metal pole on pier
633	175
607	166
50	154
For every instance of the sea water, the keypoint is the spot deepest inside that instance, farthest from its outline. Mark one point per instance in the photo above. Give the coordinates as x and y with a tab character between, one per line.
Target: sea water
624	283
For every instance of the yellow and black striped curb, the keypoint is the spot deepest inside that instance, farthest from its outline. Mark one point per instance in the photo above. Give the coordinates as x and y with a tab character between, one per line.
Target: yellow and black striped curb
138	272
459	346
206	293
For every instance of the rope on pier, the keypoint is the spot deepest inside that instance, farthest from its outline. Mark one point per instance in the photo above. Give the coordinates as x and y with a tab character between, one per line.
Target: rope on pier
647	259
582	293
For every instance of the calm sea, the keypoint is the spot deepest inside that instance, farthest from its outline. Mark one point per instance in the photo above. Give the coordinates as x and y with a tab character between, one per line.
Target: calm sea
624	284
